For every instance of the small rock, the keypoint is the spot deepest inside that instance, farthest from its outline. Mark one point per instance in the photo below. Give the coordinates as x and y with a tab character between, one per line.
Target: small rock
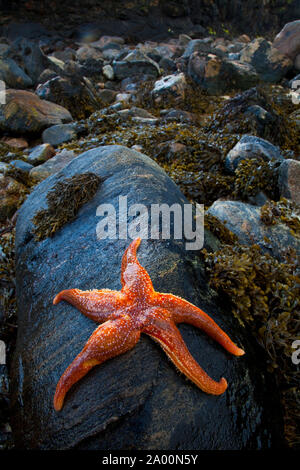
218	76
105	40
289	180
197	45
270	64
65	55
75	94
16	142
244	38
10	191
135	112
234	56
46	75
250	147
60	65
91	60
135	63
123	97
13	75
108	72
259	115
171	85
167	65
184	39
59	134
107	96
170	150
31	57
51	166
244	221
112	52
26	113
41	153
288	40
141	120
295	82
179	115
21	166
3	167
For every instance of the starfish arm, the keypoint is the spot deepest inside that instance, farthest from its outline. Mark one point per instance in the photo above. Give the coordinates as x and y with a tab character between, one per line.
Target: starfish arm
185	312
168	336
129	257
134	278
98	305
110	339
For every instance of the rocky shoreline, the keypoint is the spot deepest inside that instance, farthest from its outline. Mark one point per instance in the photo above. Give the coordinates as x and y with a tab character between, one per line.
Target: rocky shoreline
220	116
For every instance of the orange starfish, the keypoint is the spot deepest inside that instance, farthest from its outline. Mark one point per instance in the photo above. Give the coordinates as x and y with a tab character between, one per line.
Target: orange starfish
137	309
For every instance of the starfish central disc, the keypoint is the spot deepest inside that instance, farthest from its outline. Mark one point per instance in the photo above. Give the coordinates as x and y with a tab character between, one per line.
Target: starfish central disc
137	308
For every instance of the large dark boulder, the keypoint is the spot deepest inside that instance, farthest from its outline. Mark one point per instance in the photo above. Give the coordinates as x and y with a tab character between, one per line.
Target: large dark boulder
137	400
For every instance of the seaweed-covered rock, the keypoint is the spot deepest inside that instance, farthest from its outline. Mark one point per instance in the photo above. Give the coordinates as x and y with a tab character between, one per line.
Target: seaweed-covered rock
137	400
247	222
76	95
251	146
10	196
260	111
26	113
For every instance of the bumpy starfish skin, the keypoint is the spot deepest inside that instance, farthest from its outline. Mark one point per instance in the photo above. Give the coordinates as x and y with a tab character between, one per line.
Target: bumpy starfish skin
137	309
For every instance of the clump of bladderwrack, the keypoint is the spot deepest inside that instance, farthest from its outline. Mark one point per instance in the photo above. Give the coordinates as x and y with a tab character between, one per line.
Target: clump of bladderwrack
219	229
64	202
282	211
8	327
254	175
7	275
265	297
238	115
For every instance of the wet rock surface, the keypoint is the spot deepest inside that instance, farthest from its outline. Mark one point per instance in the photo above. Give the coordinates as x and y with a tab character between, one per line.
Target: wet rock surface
141	389
269	63
250	147
25	113
244	220
51	166
289	176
